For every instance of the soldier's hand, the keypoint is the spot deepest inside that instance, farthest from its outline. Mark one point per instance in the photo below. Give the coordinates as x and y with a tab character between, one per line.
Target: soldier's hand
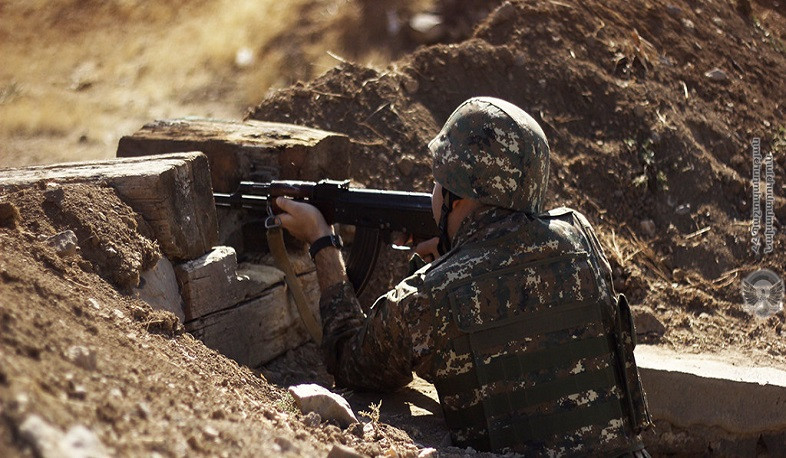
304	221
428	249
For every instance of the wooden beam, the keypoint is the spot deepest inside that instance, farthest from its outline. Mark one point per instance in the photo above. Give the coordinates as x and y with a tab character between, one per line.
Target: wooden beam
250	150
256	331
172	193
215	282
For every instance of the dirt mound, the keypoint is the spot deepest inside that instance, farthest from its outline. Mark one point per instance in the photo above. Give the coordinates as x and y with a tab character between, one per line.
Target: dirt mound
76	351
105	230
650	114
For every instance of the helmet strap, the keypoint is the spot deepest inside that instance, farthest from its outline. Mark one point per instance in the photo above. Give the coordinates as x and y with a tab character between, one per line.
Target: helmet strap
448	198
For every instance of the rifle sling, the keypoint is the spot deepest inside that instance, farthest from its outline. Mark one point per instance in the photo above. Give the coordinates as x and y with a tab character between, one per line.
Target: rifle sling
275	240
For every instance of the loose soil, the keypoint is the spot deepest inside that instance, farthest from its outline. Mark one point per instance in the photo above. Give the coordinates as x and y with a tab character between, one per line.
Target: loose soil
637	131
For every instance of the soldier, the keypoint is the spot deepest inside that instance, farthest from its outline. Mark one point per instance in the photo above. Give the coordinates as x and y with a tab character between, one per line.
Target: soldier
516	324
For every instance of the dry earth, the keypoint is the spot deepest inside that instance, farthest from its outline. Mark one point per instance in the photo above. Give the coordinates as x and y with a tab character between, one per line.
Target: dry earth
638	132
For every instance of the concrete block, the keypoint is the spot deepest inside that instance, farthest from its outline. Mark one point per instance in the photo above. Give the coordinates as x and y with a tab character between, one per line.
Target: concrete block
713	391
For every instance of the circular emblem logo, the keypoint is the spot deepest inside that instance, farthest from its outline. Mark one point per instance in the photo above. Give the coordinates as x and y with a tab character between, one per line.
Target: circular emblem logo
762	293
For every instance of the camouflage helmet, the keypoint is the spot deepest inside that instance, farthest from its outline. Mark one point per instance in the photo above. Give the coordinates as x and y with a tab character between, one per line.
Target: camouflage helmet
493	151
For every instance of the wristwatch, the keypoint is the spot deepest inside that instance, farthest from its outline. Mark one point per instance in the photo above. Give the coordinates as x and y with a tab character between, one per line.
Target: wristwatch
324	242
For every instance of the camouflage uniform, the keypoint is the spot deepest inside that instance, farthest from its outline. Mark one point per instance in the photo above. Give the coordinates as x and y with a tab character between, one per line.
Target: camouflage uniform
517	326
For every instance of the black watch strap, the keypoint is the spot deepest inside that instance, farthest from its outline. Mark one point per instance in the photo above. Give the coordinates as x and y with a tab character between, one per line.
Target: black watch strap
323	242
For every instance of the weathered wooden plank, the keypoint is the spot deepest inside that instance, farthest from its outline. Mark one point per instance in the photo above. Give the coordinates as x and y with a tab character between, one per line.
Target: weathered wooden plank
251	150
257	331
215	282
172	193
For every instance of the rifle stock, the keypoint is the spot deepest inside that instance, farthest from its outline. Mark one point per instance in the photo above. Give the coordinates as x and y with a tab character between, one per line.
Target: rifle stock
376	214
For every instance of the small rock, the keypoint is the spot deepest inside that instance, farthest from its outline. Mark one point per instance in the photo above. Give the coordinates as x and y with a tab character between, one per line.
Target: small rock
76	391
410	84
683	209
53	193
640	111
342	451
9	215
49	442
84	76
405	165
143	410
674	10
94	303
210	432
312	419
283	443
356	429
65	243
427	28
82	357
19	403
716	74
390	453
82	442
649	228
428	453
646	322
44	437
311	397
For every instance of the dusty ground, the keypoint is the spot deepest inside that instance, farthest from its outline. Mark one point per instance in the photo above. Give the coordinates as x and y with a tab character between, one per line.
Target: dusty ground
638	132
76	347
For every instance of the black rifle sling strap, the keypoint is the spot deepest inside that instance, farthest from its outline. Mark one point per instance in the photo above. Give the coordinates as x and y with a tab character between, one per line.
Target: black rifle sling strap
275	240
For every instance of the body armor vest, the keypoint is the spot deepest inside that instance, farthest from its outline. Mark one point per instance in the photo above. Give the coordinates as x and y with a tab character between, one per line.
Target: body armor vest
534	353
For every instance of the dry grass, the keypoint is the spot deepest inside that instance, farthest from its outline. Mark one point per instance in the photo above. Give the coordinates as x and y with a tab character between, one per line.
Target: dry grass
79	74
103	68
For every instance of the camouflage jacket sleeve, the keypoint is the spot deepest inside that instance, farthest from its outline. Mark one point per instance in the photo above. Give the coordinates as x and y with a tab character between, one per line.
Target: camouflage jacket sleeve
379	351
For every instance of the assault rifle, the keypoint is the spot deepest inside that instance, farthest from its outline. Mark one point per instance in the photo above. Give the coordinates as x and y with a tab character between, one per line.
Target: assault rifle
376	214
